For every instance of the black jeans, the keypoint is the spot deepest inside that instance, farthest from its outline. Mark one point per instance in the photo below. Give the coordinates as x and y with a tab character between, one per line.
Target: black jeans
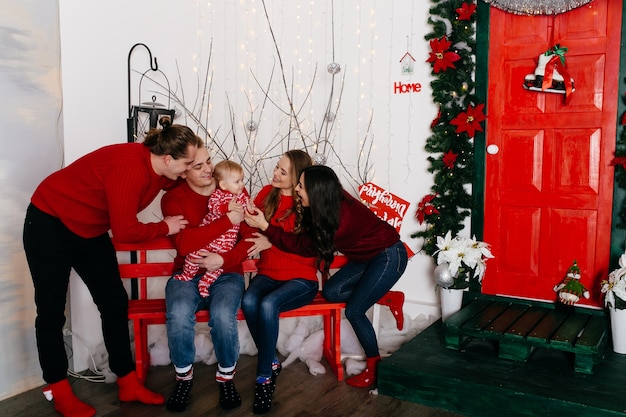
52	250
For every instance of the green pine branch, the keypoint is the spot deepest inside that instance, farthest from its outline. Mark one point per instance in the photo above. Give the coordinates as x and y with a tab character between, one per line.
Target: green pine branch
453	92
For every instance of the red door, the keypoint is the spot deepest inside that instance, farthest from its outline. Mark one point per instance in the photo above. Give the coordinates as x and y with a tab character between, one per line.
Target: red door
549	185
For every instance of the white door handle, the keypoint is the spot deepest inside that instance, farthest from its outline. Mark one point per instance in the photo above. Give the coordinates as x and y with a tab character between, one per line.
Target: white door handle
493	149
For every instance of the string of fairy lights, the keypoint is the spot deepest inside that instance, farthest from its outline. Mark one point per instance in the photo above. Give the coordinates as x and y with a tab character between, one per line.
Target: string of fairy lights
285	110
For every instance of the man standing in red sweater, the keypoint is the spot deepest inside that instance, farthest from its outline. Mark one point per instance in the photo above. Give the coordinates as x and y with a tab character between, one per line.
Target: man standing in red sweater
67	226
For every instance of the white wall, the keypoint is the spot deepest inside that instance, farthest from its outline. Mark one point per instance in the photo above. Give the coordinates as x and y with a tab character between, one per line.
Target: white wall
369	39
30	110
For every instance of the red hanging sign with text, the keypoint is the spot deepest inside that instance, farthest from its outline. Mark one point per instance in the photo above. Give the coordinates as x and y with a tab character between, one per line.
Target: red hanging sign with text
387	206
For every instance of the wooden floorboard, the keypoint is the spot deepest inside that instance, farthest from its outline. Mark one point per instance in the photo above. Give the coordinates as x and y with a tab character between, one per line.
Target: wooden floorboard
475	382
298	393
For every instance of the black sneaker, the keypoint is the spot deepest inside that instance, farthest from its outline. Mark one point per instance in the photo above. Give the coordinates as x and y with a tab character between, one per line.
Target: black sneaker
179	399
262	398
229	397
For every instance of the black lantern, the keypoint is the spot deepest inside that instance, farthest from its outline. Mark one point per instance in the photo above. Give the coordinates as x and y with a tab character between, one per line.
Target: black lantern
145	116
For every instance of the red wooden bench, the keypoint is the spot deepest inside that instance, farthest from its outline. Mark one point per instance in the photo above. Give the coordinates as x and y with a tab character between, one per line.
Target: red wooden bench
145	311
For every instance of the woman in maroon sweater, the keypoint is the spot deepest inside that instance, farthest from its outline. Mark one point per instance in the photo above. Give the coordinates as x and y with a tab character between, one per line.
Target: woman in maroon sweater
67	225
333	221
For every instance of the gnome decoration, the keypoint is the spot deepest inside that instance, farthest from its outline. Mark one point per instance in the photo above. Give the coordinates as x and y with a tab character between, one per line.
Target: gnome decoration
551	74
570	289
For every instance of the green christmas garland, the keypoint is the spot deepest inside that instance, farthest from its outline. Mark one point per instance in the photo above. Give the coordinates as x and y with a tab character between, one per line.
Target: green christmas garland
451	144
620	168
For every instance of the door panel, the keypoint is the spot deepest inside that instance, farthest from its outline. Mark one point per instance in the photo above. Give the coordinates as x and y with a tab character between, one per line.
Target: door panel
548	194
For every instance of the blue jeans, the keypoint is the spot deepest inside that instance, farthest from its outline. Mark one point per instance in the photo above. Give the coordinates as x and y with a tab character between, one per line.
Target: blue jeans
182	300
361	285
264	299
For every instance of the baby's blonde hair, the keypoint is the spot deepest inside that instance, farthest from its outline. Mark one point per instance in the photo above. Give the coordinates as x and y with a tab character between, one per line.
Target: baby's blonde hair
224	168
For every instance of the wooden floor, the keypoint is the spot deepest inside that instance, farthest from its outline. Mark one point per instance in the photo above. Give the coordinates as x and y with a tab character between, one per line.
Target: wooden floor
298	393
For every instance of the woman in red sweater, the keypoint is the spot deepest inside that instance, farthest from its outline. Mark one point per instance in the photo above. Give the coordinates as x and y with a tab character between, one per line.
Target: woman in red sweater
284	281
67	226
333	221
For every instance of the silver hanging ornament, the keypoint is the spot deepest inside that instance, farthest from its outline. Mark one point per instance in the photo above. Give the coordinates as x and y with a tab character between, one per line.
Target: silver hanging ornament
330	117
333	68
252	125
443	277
319	159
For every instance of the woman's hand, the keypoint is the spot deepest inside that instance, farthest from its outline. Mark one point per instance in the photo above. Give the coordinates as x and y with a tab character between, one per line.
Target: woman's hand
255	217
175	224
259	243
211	261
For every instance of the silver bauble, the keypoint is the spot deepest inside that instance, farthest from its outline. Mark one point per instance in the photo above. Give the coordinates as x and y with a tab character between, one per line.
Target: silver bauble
319	159
443	277
252	125
333	68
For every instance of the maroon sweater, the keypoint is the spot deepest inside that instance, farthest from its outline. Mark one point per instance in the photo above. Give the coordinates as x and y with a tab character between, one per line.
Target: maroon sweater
104	190
361	234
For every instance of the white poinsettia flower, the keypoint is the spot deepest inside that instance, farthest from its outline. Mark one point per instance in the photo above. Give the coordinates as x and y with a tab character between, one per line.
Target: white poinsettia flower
479	249
615	284
455	264
443	244
464	254
472	256
479	272
619	289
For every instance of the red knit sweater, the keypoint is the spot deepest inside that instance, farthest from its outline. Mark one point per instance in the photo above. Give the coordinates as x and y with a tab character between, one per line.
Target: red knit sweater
275	263
361	234
104	190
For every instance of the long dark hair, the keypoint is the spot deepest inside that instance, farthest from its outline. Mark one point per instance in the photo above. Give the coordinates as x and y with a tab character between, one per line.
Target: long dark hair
172	139
321	219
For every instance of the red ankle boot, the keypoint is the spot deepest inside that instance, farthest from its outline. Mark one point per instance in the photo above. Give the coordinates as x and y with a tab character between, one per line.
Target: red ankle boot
65	402
395	301
368	376
130	389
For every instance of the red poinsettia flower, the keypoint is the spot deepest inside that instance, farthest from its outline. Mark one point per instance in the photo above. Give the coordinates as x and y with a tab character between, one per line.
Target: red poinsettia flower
469	121
440	55
426	208
449	158
435	121
465	11
619	160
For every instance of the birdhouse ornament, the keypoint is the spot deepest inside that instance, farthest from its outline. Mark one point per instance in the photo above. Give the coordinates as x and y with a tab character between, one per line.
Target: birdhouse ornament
551	75
570	290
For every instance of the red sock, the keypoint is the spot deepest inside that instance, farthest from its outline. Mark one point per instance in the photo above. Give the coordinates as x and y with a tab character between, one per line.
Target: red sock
130	389
66	403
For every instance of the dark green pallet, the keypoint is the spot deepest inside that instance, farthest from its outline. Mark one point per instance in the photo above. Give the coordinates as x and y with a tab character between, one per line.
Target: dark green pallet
476	382
521	326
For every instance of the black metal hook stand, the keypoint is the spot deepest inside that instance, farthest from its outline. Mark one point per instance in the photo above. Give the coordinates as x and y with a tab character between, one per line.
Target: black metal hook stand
153	109
154	67
130	137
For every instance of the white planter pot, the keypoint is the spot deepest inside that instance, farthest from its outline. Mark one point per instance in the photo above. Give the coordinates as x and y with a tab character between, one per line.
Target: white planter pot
618	330
451	301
